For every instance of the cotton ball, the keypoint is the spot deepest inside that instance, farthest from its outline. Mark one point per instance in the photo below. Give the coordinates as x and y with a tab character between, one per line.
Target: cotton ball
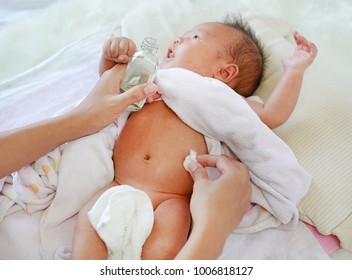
192	157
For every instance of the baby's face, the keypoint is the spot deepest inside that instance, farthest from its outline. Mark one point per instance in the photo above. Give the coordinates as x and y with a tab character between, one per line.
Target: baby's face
200	49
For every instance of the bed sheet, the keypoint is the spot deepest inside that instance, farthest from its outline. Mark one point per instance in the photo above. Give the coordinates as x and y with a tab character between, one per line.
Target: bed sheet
28	97
29	91
21	241
14	10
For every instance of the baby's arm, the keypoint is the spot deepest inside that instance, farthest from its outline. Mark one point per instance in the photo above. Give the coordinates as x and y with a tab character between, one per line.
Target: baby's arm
281	103
116	50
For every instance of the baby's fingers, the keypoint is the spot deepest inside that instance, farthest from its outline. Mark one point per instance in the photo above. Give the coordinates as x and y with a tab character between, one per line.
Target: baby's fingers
131	49
119	49
123	50
304	44
107	48
313	50
123	58
301	41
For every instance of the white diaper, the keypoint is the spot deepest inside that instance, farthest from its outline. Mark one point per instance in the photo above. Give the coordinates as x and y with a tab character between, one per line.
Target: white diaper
123	217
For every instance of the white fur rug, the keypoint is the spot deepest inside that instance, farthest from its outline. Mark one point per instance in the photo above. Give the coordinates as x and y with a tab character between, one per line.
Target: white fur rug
33	37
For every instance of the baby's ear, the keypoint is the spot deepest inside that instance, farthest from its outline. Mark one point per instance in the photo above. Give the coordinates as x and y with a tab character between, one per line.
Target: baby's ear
227	74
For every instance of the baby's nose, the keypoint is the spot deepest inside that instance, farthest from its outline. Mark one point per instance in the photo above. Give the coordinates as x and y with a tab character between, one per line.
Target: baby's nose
177	41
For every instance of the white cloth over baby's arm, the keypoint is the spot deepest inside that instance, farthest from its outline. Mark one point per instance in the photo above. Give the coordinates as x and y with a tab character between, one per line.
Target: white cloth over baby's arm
215	110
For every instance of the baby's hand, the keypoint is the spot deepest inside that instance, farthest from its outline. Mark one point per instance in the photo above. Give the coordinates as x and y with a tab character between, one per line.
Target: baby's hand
303	56
119	49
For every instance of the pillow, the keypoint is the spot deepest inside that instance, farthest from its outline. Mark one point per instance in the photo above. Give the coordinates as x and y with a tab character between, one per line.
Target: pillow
319	130
320	134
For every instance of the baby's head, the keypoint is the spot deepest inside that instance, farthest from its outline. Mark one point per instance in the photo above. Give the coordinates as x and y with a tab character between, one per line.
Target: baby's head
247	53
227	51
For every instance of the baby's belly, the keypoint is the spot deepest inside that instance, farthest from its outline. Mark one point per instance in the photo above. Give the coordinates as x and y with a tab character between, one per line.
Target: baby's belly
150	151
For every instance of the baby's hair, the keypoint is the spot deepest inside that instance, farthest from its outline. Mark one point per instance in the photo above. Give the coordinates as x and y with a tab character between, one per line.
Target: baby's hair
248	54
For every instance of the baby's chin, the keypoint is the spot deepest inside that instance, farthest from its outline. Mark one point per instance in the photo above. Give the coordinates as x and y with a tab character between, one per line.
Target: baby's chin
165	64
168	63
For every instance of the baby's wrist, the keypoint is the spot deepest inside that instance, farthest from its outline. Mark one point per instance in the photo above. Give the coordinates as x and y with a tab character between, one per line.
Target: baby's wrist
295	70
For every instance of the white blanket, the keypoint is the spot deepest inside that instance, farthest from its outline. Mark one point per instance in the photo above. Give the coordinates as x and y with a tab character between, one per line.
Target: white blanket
279	181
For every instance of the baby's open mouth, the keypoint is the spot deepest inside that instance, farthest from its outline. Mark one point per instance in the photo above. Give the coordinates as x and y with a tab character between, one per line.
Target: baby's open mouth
170	53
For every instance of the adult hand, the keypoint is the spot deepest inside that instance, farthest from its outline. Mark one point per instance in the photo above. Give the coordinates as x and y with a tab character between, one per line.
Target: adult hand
217	207
104	103
220	204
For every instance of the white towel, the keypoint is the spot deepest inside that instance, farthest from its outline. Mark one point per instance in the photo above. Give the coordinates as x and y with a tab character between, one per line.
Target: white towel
215	110
123	217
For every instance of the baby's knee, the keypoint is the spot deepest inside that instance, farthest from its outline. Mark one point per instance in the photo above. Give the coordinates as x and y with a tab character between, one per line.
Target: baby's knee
165	248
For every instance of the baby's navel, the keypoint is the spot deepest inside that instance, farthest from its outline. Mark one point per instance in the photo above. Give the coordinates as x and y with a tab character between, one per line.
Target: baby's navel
146	157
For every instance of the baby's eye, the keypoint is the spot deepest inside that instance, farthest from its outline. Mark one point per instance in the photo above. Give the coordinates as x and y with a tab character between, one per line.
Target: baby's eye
196	37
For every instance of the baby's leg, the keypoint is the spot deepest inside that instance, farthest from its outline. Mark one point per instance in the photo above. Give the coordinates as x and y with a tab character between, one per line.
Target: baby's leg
170	231
87	245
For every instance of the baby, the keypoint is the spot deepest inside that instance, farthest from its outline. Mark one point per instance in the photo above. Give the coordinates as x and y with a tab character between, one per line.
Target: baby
150	157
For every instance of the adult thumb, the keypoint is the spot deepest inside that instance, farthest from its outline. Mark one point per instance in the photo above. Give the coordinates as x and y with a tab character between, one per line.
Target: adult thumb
137	93
197	171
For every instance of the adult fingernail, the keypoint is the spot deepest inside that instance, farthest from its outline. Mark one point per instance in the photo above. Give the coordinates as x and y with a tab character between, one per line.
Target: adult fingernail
150	89
193	166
